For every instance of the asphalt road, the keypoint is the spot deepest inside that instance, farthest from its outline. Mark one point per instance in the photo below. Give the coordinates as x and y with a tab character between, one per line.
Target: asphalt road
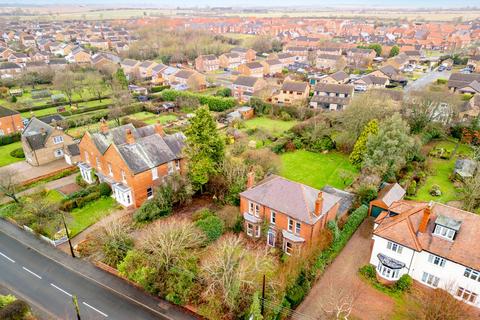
50	286
426	79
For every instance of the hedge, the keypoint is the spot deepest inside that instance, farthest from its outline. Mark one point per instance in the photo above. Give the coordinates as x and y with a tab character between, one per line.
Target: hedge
158	88
307	276
213	103
10	138
82	197
56	104
86	109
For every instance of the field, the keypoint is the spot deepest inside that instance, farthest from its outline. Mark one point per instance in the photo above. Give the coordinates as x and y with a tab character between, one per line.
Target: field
5	157
317	169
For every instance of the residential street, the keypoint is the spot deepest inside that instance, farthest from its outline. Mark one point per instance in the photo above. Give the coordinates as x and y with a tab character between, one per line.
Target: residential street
49	285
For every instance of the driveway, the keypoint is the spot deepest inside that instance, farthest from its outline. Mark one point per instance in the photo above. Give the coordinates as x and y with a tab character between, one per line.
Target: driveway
25	171
425	80
341	282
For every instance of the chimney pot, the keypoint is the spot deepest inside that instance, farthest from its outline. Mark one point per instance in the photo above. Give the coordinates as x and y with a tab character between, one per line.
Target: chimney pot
103	126
251	178
426	218
129	136
159	129
319	204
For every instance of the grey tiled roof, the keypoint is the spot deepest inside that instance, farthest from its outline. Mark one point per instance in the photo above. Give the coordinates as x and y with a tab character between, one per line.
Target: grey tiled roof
5	112
34	135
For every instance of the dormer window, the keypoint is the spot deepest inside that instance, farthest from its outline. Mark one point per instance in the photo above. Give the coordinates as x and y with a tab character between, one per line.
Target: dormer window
446	227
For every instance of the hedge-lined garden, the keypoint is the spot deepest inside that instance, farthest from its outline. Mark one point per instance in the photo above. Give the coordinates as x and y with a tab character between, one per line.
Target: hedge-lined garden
214	103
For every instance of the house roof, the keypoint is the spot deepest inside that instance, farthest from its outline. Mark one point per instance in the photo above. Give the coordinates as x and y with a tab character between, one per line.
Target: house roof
390	193
5	112
291	198
404	229
36	133
254	65
130	62
73	149
184	74
459	80
245	81
332	87
294	86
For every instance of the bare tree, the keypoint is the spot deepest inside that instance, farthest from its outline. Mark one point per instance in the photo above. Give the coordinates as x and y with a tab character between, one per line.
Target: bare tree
340	299
66	83
121	99
471	192
95	84
9	184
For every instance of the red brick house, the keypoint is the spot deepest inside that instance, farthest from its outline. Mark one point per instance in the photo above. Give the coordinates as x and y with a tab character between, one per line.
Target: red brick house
10	121
207	63
295	213
132	160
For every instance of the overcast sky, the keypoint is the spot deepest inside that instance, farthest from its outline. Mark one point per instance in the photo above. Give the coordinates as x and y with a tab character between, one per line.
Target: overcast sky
270	3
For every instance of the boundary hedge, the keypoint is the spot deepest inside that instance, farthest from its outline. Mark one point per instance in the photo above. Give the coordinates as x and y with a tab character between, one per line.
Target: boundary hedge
213	103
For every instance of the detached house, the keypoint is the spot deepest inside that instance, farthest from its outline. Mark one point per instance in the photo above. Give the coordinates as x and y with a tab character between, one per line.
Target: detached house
294	213
369	81
190	79
145	69
246	55
130	68
292	92
460	80
244	87
331	96
253	69
433	243
272	67
207	63
79	56
338	77
10	121
132	160
44	143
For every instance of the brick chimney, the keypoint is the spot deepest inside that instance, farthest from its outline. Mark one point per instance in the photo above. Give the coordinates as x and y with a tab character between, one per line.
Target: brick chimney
250	179
159	129
129	136
426	217
319	204
42	131
103	126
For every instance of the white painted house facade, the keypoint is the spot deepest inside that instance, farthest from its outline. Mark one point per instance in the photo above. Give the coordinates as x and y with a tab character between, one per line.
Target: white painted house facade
433	243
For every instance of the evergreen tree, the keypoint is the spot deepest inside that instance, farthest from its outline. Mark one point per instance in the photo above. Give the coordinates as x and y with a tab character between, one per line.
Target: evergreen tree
121	78
360	147
205	148
394	51
255	308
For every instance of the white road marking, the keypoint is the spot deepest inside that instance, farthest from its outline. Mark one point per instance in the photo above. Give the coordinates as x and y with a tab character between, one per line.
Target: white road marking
6	257
31	272
103	314
60	289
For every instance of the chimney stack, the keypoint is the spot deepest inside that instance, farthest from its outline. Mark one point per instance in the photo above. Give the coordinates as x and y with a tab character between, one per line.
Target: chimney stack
130	139
250	178
426	217
319	204
54	124
42	131
159	129
103	126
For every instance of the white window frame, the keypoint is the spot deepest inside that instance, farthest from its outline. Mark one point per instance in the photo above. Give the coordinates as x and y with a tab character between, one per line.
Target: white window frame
291	224
444	232
150	196
250	229
154	173
436	260
97	160
58	153
124	177
466	295
273	217
271	235
254	209
430	279
57	139
286	249
472	274
395	247
110	169
177	164
298	227
87	158
388	273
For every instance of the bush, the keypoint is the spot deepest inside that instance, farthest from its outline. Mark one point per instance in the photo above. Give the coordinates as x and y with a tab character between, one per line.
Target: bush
17	310
149	211
212	226
10	138
404	283
104	189
412	188
158	88
6	300
17	153
68	205
213	103
442	81
367	193
80	182
368	271
91	197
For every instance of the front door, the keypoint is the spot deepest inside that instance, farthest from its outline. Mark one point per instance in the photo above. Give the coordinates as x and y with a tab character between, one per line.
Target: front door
271	238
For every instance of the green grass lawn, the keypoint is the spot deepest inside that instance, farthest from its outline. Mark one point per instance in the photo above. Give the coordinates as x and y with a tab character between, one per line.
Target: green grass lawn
84	217
5	157
53	110
317	169
441	171
275	127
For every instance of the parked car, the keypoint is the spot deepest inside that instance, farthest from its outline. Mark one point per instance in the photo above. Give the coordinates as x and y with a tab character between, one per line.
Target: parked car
441	68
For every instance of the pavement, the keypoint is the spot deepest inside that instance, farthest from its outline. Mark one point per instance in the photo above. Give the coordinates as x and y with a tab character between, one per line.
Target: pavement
425	80
48	278
24	171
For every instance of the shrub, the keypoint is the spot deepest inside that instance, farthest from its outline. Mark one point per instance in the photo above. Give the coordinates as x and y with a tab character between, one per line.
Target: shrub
17	310
149	211
412	188
212	226
404	283
13	99
80	182
104	189
17	153
367	193
158	88
368	271
10	138
6	300
442	81
68	205
91	197
213	103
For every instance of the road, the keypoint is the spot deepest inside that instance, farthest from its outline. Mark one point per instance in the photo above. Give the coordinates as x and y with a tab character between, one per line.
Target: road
426	79
50	286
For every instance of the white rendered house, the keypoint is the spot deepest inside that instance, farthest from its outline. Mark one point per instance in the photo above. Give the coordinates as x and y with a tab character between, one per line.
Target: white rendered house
433	243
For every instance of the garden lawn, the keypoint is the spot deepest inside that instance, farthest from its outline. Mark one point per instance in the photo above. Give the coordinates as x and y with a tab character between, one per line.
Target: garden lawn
441	172
82	218
275	127
5	157
317	169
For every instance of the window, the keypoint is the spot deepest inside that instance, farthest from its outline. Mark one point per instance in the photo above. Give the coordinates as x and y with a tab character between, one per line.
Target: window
271	238
87	160
444	232
57	139
290	224
387	272
254	209
436	260
394	247
110	171
273	216
472	274
430	279
59	153
298	226
466	295
288	247
170	167
250	229
149	193
97	161
154	174
124	177
177	164
253	230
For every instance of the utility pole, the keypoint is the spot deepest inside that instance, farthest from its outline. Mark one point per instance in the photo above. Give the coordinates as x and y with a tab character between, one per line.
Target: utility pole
68	235
75	304
263	296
